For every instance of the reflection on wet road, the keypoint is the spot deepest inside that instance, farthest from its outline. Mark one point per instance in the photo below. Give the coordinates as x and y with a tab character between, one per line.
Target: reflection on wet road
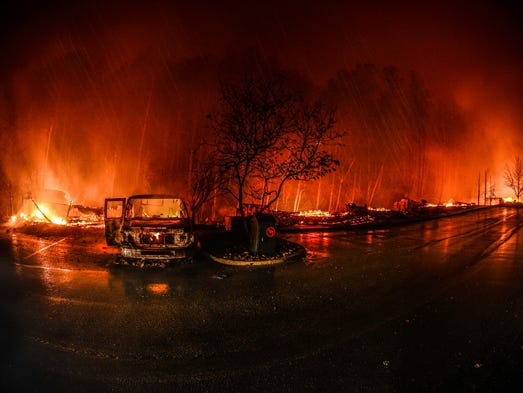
432	306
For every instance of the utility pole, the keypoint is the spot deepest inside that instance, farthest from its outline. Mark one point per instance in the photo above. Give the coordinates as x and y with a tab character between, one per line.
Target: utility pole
485	187
479	186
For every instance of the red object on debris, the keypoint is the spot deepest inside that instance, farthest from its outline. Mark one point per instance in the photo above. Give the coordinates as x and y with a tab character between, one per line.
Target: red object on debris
270	231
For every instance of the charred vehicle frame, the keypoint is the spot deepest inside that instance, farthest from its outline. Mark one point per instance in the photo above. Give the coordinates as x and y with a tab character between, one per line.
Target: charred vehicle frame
149	227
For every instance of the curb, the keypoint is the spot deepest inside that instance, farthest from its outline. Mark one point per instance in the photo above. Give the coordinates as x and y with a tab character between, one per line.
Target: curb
232	262
300	253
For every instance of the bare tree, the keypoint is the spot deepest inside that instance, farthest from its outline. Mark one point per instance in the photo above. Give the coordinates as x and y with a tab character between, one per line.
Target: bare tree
202	188
266	135
514	177
205	180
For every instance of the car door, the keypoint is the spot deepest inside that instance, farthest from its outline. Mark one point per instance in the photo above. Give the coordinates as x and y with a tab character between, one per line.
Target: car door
113	217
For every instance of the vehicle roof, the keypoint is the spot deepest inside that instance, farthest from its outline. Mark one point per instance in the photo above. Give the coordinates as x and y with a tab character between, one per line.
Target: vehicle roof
154	196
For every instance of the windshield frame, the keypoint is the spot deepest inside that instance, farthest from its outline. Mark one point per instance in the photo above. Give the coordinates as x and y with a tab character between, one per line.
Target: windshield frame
151	207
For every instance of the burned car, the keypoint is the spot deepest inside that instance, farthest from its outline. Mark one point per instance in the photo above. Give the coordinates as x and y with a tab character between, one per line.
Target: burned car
149	227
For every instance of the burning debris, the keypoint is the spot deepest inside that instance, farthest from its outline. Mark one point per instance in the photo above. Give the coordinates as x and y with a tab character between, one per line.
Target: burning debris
407	205
352	215
55	207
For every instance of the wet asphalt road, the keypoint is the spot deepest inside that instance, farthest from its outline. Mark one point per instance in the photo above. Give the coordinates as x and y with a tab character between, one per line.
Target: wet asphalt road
429	307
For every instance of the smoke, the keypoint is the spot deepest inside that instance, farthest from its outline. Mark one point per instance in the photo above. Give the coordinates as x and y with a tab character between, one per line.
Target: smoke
107	100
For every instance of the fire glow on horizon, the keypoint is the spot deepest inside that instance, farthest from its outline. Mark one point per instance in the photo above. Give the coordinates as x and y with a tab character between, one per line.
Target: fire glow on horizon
109	102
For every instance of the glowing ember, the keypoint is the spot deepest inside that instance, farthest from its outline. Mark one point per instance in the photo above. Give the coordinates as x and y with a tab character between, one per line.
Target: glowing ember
315	213
379	209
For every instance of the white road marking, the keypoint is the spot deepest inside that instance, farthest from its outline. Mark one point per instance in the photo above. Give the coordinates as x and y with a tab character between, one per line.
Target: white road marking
45	248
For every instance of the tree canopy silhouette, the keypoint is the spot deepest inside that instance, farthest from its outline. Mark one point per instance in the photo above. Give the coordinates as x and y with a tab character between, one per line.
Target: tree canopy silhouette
266	134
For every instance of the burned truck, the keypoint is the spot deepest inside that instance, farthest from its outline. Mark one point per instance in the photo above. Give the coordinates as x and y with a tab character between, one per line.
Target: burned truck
149	227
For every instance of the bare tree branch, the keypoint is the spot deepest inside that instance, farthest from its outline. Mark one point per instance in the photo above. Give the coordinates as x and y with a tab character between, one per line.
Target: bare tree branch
266	135
514	177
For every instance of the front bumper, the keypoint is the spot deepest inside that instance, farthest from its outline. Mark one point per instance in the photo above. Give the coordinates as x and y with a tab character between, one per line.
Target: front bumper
156	254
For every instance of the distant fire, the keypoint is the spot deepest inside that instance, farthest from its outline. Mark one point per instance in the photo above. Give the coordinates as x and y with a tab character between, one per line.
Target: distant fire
453	203
314	213
378	209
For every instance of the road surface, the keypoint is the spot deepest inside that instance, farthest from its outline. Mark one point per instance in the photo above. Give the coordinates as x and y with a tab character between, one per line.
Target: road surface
435	306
